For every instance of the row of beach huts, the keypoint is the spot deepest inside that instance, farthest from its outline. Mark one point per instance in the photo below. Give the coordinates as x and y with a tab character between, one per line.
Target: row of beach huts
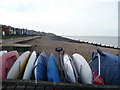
8	30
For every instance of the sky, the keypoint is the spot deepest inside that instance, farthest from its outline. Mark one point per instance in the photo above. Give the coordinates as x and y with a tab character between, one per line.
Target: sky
62	17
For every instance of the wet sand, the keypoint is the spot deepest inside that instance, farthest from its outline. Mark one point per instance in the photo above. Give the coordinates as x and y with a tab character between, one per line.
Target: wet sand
49	43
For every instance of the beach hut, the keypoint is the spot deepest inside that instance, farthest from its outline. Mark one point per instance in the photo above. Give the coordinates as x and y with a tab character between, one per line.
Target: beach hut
34	32
39	33
1	32
24	31
30	32
14	31
18	31
5	30
11	29
27	32
43	33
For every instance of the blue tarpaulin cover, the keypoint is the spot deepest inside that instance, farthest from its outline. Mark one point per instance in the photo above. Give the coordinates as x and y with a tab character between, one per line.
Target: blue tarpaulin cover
109	67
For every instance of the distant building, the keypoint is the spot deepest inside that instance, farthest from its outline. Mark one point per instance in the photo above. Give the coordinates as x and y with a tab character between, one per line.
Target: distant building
1	32
11	30
8	30
18	31
5	30
39	33
30	32
24	31
35	33
43	33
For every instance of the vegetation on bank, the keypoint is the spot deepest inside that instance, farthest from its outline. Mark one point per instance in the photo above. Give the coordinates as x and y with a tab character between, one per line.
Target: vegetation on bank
13	36
16	36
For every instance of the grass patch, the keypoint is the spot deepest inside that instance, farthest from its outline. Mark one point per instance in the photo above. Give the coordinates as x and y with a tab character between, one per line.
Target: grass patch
13	36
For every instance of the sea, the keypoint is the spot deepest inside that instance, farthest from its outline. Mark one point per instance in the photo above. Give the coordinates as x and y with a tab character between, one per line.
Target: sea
107	40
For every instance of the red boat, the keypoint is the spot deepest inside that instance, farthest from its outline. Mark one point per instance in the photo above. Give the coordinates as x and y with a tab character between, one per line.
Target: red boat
6	62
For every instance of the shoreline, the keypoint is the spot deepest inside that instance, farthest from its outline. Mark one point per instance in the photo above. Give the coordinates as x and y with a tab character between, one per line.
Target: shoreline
61	38
103	40
48	44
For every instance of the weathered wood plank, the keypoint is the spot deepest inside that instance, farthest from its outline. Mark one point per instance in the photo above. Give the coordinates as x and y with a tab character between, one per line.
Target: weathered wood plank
49	88
10	87
39	88
54	85
79	89
3	87
30	88
20	87
70	88
59	88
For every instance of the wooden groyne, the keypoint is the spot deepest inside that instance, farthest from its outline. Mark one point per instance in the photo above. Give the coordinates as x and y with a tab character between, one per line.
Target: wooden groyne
16	44
26	39
44	85
18	47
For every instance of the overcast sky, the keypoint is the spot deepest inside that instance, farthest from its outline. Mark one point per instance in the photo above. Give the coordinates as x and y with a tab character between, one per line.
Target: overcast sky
62	17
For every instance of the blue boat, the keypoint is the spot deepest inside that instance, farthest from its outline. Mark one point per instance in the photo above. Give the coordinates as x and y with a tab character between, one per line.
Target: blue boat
41	67
52	69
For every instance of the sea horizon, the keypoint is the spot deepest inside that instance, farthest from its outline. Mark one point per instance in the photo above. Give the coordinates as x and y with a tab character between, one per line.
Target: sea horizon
107	40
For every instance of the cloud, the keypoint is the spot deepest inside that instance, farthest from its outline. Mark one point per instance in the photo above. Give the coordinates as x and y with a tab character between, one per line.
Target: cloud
62	16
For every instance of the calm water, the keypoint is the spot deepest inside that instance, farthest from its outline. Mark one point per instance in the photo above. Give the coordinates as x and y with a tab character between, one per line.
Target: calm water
98	39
